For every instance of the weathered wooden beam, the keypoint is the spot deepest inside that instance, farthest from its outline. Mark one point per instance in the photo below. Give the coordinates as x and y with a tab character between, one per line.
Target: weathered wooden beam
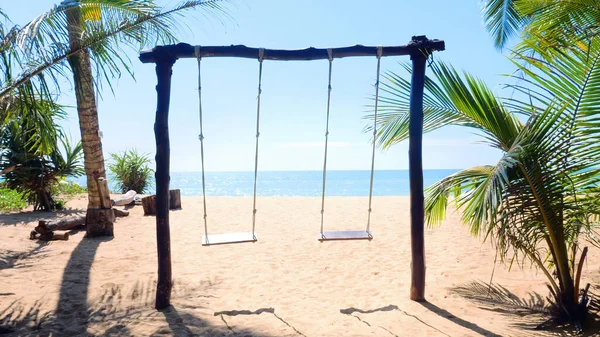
164	68
184	50
415	165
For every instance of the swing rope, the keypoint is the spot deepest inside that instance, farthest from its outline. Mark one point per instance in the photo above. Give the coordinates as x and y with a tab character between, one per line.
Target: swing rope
261	54
330	54
201	137
379	54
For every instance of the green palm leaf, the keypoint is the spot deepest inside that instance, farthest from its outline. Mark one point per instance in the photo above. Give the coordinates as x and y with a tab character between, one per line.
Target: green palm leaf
502	20
541	197
111	27
449	99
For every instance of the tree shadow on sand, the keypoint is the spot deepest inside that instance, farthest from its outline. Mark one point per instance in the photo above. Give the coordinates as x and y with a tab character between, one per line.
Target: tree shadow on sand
114	312
526	313
23	218
72	316
9	258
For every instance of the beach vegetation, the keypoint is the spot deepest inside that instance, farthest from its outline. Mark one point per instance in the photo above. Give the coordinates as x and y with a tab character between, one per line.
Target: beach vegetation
130	170
11	200
68	189
540	201
555	22
86	43
36	174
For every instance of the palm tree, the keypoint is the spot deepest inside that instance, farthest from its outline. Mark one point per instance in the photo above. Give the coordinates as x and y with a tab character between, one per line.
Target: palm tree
540	199
548	20
34	174
92	35
31	103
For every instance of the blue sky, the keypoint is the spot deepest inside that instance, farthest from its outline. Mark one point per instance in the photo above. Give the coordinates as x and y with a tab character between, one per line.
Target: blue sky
294	93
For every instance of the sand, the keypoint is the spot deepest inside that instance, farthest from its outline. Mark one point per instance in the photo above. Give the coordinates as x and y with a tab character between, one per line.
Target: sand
286	284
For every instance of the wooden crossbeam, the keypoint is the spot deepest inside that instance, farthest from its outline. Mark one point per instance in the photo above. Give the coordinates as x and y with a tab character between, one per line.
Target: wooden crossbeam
419	44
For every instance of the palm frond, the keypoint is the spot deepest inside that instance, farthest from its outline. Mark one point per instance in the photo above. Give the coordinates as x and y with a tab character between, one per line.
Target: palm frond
449	99
502	20
110	28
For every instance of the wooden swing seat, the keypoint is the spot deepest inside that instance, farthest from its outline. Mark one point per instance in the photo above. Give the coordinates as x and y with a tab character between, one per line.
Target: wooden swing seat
222	239
345	235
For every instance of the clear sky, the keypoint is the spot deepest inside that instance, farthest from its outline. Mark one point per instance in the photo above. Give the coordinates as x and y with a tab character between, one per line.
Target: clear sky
294	93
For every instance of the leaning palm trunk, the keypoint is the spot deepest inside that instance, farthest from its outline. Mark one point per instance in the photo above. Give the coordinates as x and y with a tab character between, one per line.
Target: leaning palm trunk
88	124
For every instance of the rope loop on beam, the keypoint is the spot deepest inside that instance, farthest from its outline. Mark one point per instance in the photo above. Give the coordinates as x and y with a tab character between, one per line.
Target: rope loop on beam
261	54
197	52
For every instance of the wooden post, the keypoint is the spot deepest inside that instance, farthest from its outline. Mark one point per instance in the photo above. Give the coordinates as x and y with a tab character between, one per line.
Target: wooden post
175	199
164	66
149	205
104	193
415	164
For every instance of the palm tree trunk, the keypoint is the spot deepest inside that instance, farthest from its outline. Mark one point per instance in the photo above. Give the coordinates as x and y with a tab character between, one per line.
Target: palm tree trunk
88	123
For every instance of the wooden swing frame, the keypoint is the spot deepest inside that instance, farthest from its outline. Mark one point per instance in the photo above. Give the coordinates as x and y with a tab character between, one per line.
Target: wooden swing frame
164	57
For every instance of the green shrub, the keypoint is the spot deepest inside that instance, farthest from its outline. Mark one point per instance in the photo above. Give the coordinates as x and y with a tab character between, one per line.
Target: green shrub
59	204
69	189
130	171
11	200
34	174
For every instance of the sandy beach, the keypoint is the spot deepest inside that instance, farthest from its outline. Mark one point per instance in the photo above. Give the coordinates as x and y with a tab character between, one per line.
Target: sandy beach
286	284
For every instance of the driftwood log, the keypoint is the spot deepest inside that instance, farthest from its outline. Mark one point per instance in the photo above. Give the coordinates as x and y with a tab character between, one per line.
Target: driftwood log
45	230
149	202
125	199
48	226
50	236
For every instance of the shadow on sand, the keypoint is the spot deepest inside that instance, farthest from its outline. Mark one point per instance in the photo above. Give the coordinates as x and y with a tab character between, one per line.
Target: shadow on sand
22	218
459	321
9	258
526	313
76	313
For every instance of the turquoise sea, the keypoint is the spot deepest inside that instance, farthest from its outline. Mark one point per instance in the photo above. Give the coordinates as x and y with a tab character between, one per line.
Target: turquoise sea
297	183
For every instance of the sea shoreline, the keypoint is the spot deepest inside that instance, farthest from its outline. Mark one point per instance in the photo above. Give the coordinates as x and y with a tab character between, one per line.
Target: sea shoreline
294	183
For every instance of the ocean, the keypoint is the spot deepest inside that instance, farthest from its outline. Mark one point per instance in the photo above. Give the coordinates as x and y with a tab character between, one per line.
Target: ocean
296	183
